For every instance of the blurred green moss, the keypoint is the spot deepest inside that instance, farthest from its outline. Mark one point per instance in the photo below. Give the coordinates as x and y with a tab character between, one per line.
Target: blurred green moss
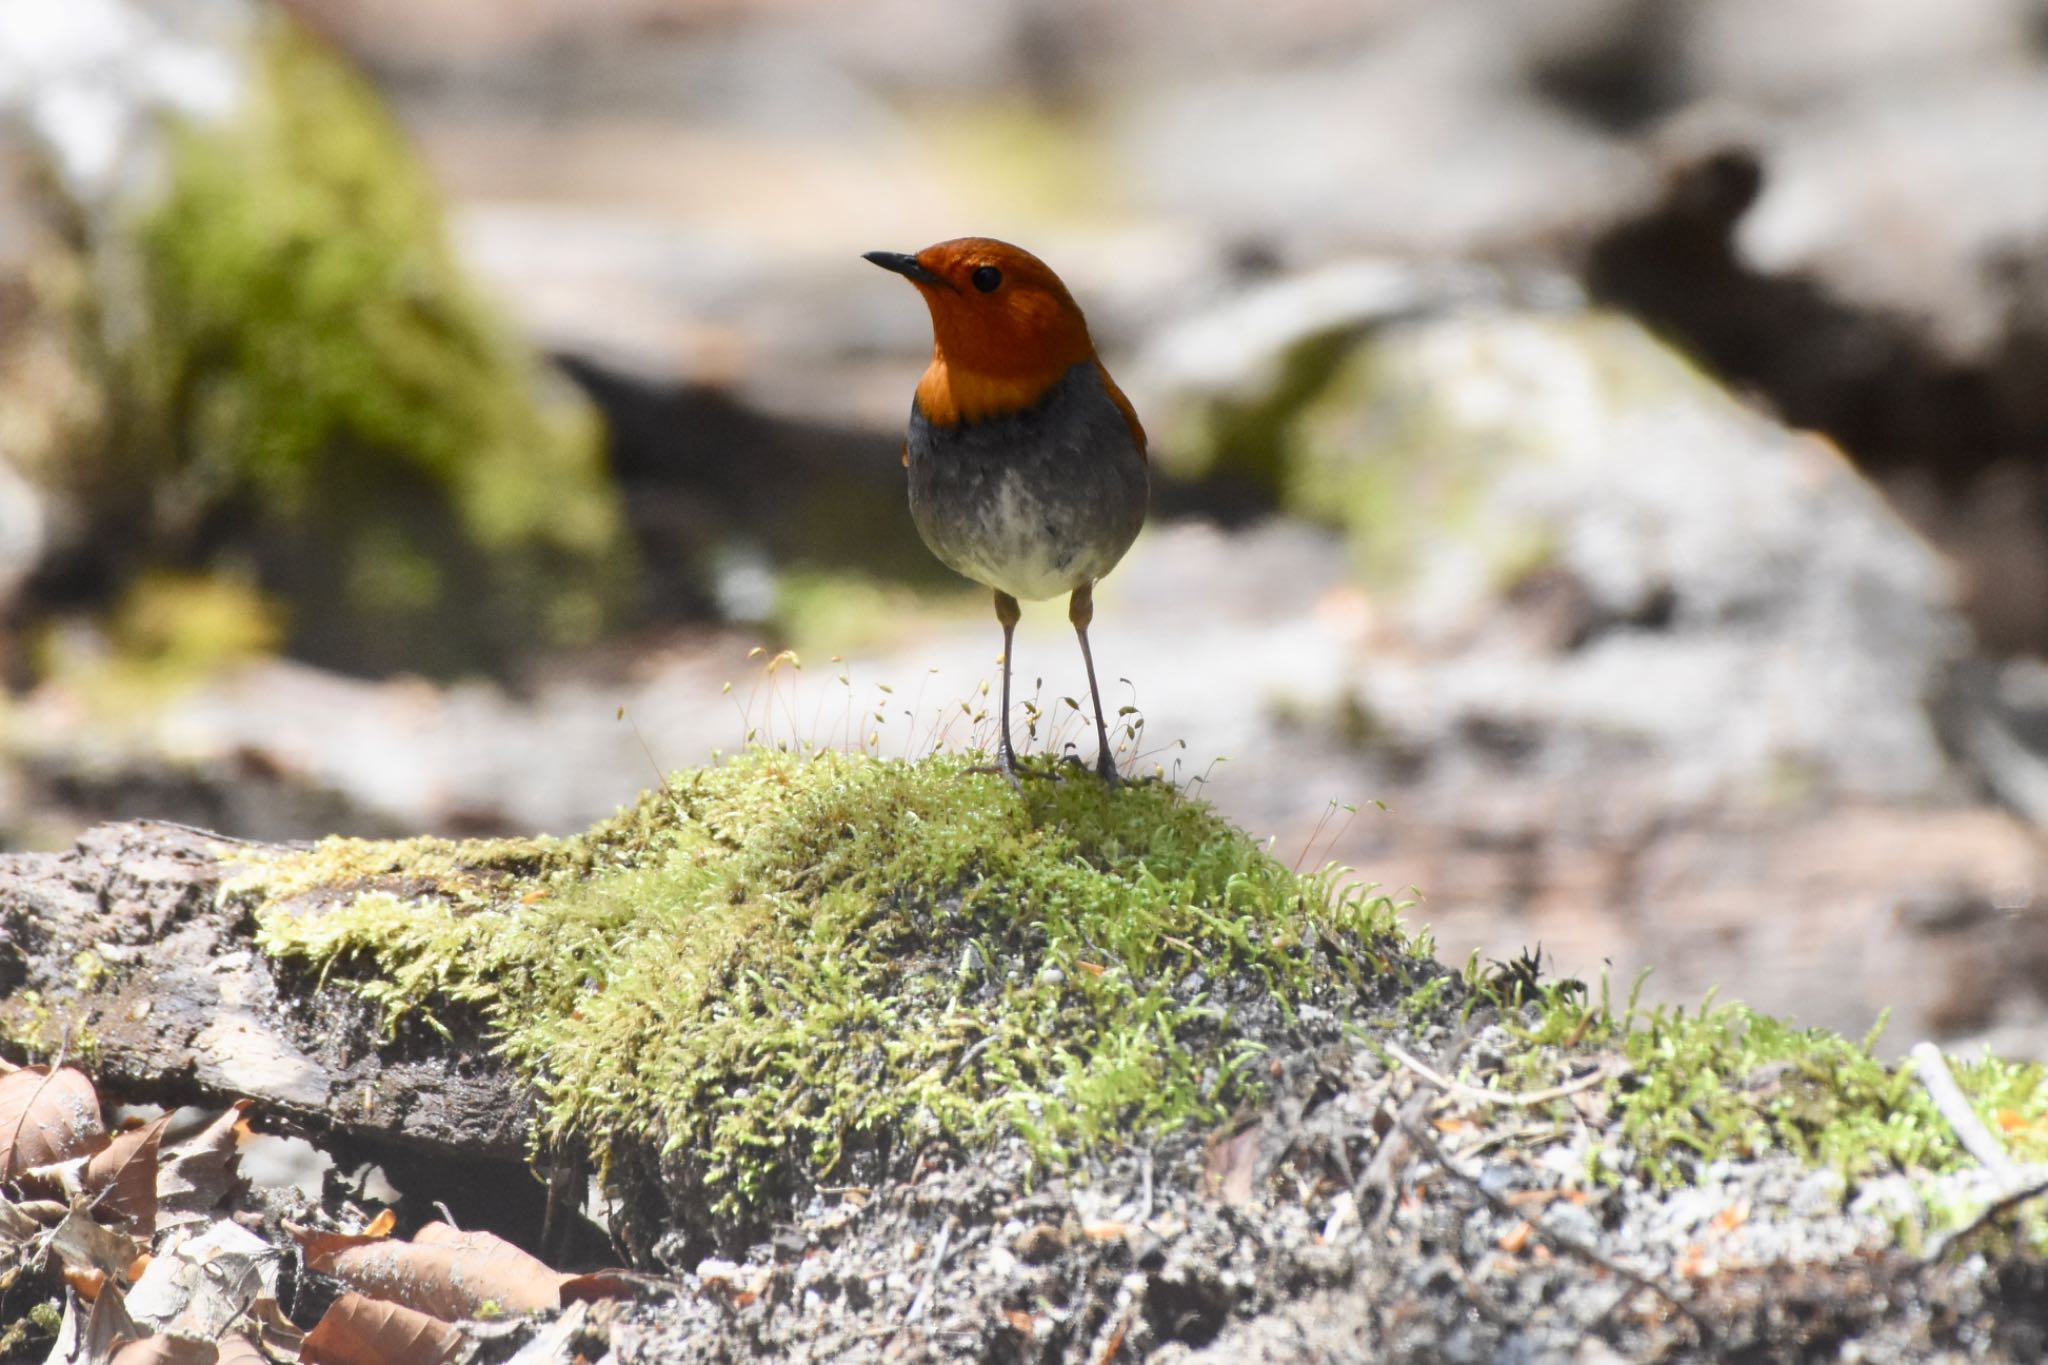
817	612
1399	435
168	631
310	378
1020	158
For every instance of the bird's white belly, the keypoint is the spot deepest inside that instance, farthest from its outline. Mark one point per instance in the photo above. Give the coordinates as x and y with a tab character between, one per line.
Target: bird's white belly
1023	549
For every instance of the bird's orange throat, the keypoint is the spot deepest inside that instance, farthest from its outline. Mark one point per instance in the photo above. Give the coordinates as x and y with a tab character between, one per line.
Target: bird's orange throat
949	395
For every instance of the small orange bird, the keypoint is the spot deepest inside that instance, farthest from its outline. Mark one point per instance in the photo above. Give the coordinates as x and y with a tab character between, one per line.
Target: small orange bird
1027	464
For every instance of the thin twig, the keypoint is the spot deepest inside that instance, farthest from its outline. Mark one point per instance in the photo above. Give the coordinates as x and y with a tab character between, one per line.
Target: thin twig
213	834
1479	1095
931	1274
1569	1245
1382	1175
968	1054
1996	1209
1948	1097
1395	1150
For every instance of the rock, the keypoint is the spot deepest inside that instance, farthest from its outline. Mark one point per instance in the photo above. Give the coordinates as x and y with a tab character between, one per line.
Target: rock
1644	676
1423	138
21	536
1911	201
1761	53
1810	266
1526	485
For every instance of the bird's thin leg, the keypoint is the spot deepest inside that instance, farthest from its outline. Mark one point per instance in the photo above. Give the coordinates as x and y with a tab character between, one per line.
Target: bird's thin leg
1081	610
1007	612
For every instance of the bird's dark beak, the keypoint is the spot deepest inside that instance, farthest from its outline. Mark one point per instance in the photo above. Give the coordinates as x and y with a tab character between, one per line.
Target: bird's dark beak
907	267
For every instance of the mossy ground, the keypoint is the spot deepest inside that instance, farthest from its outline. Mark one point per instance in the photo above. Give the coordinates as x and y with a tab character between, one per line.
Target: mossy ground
780	971
770	968
1724	1082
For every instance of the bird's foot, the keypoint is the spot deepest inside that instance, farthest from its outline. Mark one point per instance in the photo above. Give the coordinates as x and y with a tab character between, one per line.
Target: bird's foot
1007	766
1105	769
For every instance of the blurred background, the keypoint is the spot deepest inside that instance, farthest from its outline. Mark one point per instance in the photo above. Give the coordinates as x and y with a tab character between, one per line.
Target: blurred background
1611	434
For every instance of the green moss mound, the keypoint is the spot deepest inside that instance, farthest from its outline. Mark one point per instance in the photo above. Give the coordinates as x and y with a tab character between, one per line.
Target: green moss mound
781	970
309	381
1723	1082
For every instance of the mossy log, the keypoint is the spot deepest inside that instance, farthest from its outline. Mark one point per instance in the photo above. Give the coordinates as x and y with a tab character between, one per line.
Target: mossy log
123	954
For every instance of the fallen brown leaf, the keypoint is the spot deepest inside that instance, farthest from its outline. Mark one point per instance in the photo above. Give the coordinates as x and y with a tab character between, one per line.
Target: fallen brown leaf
121	1178
236	1349
47	1212
1231	1162
18	1224
82	1244
610	1284
443	1272
107	1326
318	1244
203	1284
195	1176
167	1350
357	1330
452	1275
46	1118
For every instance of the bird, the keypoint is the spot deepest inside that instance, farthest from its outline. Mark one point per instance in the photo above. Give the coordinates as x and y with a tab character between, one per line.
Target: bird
1028	467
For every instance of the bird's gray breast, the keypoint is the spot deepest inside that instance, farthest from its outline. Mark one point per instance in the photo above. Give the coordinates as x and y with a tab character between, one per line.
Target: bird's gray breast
1033	503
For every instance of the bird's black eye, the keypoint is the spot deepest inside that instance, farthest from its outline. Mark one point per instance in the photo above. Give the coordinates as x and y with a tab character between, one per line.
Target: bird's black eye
987	279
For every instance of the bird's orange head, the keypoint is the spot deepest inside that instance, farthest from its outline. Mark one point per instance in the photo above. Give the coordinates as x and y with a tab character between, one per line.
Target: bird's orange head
1004	329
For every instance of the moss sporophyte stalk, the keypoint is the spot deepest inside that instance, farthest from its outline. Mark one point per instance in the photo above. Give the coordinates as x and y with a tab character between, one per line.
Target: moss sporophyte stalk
769	973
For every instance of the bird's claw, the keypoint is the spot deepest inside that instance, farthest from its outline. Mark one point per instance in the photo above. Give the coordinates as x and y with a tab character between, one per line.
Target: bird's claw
1105	768
1005	769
